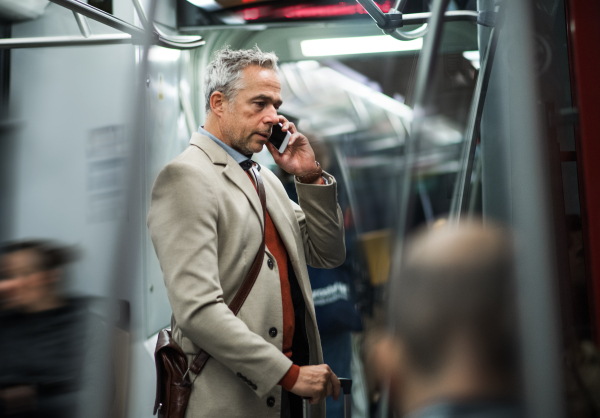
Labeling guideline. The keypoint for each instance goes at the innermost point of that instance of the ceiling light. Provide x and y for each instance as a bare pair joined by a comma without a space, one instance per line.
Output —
473,56
209,5
357,45
160,54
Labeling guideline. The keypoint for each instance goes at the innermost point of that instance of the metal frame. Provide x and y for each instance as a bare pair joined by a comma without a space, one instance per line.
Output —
426,66
54,41
409,35
84,27
585,64
425,69
460,196
131,33
392,21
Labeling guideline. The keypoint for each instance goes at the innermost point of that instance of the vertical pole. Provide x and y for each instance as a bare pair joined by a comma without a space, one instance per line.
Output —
460,197
84,27
584,38
425,71
305,408
531,218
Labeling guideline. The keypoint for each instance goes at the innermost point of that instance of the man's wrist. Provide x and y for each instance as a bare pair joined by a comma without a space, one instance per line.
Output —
312,177
289,380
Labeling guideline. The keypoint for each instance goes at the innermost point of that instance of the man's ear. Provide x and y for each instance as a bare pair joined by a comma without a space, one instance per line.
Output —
218,103
387,357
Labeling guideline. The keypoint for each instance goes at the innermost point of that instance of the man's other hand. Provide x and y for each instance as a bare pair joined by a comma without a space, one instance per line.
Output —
316,383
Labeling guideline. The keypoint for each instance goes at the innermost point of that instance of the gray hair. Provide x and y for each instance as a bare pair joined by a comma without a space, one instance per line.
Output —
224,72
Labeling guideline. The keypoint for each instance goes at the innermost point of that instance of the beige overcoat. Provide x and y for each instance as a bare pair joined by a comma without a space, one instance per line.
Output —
206,224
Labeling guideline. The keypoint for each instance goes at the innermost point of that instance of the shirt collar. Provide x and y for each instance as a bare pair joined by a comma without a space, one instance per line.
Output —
236,155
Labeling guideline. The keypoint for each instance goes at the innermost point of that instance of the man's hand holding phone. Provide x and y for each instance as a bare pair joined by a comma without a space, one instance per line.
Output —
298,158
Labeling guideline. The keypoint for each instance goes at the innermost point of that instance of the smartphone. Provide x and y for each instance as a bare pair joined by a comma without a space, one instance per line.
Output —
278,138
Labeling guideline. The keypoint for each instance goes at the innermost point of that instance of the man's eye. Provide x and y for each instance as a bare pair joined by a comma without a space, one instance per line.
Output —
260,104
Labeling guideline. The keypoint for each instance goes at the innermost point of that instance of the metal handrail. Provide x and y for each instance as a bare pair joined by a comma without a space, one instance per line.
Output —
450,16
460,195
107,19
56,41
425,71
409,35
165,40
390,22
84,27
131,33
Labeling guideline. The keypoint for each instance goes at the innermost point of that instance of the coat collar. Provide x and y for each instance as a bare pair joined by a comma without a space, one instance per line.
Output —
232,170
216,154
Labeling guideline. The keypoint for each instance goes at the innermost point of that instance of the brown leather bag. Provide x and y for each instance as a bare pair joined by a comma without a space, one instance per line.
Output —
173,386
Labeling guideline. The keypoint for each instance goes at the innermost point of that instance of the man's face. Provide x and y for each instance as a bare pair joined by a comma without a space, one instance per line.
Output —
24,284
20,273
248,119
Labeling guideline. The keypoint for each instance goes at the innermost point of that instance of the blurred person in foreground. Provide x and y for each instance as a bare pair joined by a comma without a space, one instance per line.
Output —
41,346
454,349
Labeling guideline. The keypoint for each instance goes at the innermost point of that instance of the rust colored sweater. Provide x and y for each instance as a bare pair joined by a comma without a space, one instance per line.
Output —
277,249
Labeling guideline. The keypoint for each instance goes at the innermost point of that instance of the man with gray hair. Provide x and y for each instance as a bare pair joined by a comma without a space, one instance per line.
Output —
206,224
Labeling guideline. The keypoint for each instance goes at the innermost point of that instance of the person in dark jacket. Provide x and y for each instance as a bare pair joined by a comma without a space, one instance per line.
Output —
43,334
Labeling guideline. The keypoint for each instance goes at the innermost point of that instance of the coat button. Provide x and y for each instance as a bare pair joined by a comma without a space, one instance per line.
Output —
270,401
270,264
273,332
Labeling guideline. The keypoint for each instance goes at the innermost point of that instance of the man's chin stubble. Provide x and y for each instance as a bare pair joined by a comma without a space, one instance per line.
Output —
243,148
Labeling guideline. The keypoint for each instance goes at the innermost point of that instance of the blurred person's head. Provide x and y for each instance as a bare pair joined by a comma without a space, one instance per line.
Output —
30,272
453,317
242,95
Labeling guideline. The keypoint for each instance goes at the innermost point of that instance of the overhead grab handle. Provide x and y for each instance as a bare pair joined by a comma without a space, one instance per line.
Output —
164,40
401,35
390,22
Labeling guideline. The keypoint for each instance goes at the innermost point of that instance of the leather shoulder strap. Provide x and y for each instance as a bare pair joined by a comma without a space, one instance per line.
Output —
248,283
244,290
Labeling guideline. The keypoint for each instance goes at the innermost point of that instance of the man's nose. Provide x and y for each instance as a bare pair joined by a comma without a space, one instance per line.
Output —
272,116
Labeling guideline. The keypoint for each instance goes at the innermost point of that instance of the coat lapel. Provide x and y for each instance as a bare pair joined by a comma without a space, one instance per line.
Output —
238,176
232,170
284,224
281,221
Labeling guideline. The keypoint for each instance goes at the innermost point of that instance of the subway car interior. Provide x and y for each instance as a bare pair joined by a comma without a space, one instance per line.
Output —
429,114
